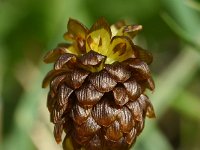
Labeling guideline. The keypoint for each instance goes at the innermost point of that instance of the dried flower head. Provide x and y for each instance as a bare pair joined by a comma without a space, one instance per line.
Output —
97,86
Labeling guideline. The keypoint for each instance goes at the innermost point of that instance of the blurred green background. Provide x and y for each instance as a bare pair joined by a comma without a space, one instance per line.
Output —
29,28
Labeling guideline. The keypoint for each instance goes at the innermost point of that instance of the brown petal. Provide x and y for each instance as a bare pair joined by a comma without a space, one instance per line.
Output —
120,95
87,95
126,120
95,143
79,139
58,130
99,24
50,101
113,132
102,81
118,72
75,78
57,112
63,95
50,75
56,82
53,55
75,29
150,111
104,113
117,145
133,89
140,66
92,58
136,110
79,114
131,136
88,128
63,60
143,54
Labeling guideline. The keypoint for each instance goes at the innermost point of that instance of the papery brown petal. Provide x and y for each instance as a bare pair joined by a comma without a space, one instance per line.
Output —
57,112
104,113
79,114
92,58
50,75
75,29
133,89
132,30
151,84
87,95
88,128
126,120
50,101
79,139
58,130
102,81
135,109
143,54
113,132
99,24
150,111
68,125
117,145
53,55
95,143
63,95
118,72
56,82
120,95
131,136
140,126
75,78
140,66
63,60
143,101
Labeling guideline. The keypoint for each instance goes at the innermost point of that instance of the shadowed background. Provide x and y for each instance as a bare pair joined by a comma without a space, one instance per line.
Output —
171,32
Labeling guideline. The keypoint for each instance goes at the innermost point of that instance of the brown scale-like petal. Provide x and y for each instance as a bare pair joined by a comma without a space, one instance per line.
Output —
133,89
75,30
150,111
58,130
140,66
64,59
92,58
87,95
63,95
68,125
79,114
131,136
88,128
53,55
57,112
146,105
143,54
95,143
120,95
118,72
56,82
117,145
50,75
50,101
113,132
75,78
136,110
125,119
79,139
102,81
104,113
140,126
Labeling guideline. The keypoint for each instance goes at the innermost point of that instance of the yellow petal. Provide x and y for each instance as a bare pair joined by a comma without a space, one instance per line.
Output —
99,37
120,49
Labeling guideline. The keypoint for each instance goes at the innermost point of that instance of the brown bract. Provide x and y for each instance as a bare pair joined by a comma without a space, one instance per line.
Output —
97,86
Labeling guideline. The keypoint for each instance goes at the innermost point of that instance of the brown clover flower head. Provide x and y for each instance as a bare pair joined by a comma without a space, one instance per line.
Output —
97,86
